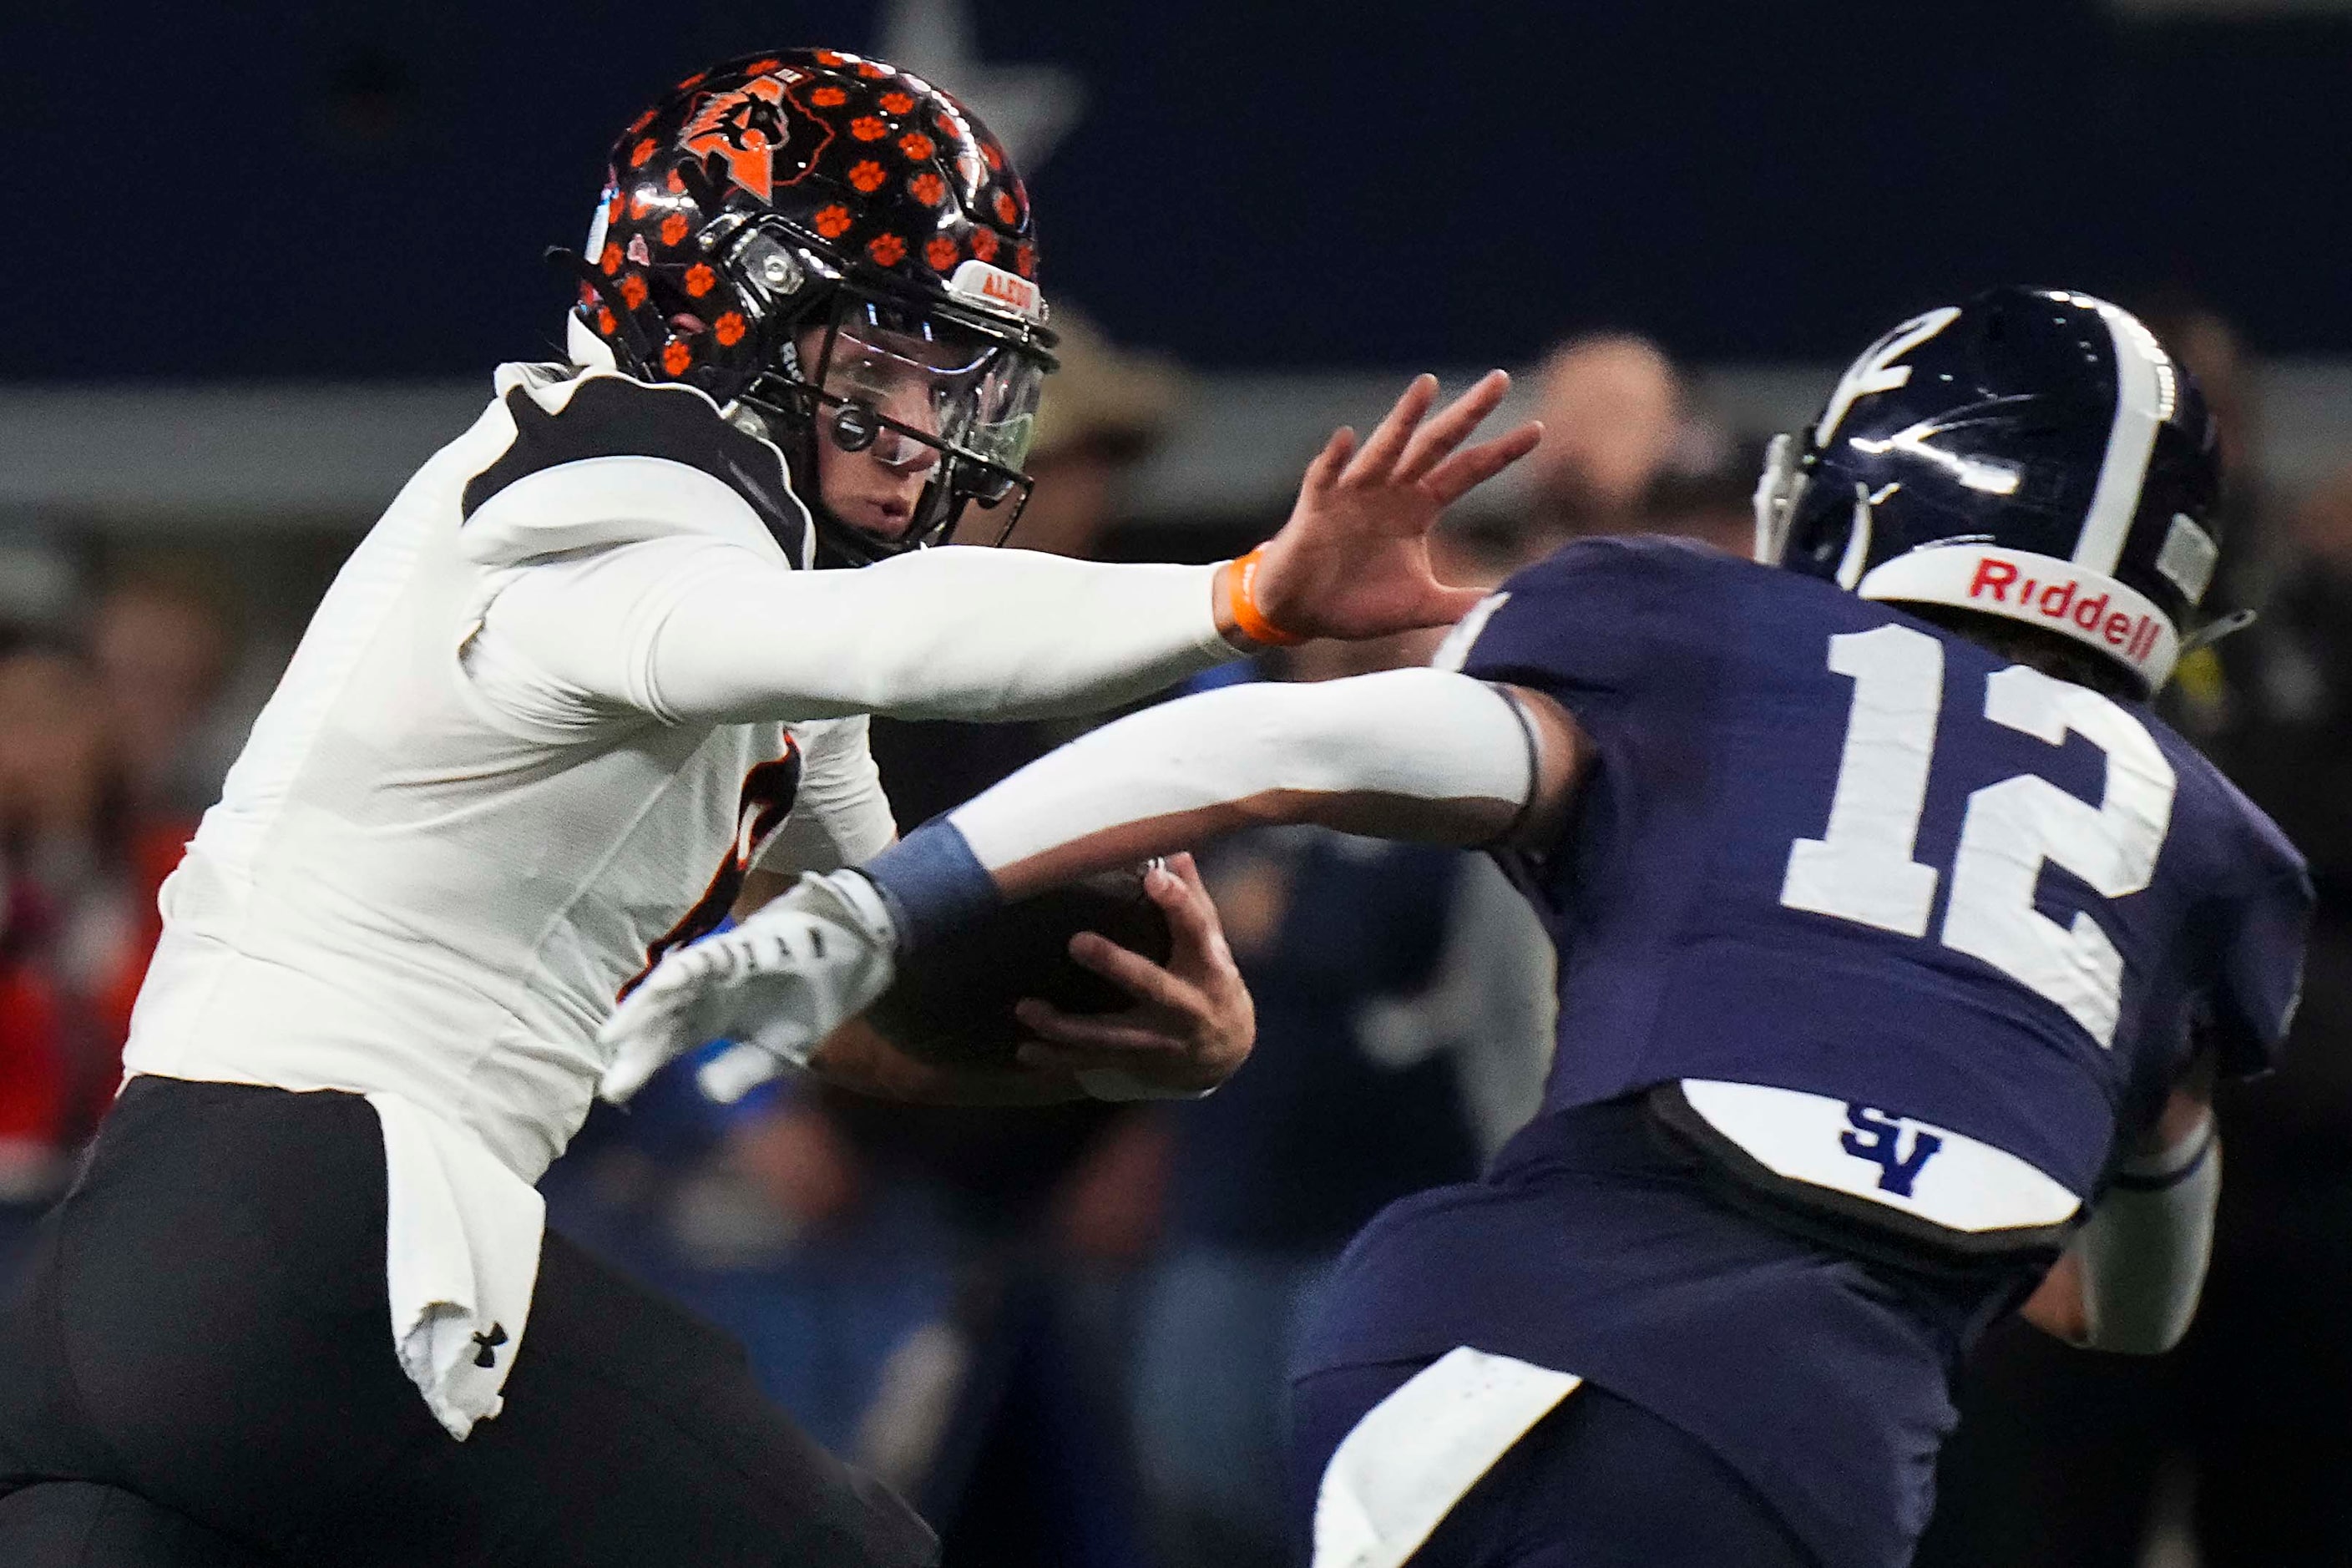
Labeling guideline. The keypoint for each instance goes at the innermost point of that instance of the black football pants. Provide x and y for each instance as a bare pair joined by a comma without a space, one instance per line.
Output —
205,1326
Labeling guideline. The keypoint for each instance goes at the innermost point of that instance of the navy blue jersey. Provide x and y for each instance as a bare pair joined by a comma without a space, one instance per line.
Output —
1828,846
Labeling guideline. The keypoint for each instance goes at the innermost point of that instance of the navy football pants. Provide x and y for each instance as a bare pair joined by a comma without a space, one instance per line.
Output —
1597,1483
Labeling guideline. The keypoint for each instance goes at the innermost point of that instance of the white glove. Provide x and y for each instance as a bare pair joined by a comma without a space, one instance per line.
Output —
779,983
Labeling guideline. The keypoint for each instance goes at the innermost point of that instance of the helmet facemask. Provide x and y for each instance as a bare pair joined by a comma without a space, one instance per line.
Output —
913,385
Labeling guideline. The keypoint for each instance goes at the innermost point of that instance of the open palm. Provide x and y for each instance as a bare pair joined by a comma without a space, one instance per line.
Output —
1353,559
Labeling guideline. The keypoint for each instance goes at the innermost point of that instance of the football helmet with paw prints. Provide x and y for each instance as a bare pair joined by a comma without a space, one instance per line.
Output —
832,248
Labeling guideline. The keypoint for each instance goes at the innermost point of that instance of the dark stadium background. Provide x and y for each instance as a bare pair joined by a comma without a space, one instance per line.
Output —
283,189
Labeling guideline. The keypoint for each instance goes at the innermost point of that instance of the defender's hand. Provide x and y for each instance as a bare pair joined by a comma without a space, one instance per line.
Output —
1353,560
1193,1022
779,983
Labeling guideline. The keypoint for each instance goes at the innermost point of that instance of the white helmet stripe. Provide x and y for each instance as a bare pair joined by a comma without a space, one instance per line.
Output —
2144,392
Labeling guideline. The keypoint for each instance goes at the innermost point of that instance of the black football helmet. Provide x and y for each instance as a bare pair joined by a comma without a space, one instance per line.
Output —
2032,454
798,233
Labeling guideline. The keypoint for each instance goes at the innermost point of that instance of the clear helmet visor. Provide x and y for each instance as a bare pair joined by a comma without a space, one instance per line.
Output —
921,389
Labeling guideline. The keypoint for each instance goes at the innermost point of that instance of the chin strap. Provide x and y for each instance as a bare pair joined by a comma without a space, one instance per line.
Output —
2217,628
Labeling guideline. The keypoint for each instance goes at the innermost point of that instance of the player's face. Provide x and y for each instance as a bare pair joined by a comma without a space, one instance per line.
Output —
875,490
912,386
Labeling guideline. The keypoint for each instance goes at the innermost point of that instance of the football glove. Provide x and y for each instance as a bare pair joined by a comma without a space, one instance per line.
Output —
779,983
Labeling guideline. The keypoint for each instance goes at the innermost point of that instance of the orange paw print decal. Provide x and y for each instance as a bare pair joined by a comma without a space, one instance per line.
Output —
887,249
833,222
700,279
677,358
828,98
729,329
983,244
867,176
641,153
916,146
633,289
1024,260
940,253
898,103
1008,211
673,229
869,128
610,259
928,188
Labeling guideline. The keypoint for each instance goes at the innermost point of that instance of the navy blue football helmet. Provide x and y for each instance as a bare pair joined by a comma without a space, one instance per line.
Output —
2032,454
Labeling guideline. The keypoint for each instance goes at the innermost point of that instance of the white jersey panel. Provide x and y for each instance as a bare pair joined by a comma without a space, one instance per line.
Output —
395,891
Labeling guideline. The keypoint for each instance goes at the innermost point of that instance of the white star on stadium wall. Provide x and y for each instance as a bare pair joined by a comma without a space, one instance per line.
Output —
1030,108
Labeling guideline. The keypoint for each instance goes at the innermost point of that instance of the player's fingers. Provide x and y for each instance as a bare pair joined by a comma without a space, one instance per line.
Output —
1192,916
1387,442
1452,424
1109,1046
1468,470
1134,973
1324,470
1098,1031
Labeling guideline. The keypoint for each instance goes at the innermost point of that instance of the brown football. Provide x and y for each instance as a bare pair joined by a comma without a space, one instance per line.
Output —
952,1003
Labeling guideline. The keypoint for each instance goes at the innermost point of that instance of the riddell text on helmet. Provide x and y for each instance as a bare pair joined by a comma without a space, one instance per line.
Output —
2132,635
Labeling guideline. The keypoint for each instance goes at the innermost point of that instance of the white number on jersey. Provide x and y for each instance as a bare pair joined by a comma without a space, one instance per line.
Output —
1862,869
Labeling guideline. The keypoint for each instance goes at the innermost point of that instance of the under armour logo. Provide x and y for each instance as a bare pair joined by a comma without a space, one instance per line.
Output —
490,1343
1879,1137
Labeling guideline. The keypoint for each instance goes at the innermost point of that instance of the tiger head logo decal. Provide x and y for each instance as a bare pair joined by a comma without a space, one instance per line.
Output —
766,138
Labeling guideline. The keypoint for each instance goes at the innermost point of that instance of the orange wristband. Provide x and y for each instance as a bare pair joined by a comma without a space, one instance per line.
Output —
1243,605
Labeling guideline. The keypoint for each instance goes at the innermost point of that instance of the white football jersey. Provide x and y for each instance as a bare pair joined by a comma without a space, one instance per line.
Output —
432,867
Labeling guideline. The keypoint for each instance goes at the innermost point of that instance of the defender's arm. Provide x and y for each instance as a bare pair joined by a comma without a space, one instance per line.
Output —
1413,754
2131,1280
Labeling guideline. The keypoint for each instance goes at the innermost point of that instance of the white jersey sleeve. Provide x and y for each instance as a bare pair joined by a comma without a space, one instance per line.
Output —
694,629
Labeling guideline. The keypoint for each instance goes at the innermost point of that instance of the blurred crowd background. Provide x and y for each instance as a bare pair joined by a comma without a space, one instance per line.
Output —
284,249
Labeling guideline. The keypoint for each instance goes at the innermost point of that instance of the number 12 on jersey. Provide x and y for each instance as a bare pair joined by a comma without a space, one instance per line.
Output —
1862,868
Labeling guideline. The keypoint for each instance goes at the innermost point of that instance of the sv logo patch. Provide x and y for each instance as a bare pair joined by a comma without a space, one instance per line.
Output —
1878,1138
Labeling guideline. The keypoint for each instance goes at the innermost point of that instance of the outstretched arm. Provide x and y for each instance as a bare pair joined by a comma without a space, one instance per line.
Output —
1419,754
691,629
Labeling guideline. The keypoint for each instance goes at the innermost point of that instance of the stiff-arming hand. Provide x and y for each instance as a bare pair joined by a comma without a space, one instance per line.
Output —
779,983
1193,1022
1353,560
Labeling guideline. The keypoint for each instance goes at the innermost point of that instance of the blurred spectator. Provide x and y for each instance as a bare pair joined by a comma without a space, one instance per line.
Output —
1611,406
77,877
1626,449
1403,1031
163,645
